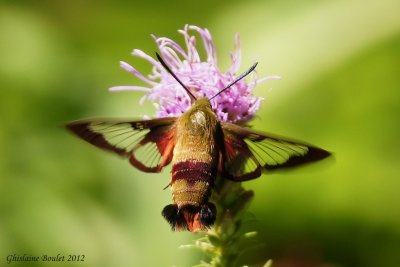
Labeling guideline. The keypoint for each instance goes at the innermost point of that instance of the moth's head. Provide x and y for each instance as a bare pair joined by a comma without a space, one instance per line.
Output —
201,103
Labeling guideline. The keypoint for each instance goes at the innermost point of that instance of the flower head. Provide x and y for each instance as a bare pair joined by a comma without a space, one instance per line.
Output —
203,77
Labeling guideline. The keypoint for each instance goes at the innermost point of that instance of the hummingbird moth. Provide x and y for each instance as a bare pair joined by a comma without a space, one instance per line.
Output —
200,147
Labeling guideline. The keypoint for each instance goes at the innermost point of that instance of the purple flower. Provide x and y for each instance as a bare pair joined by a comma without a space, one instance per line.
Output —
237,104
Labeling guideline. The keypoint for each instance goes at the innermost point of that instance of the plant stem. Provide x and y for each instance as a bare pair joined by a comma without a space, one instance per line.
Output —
224,241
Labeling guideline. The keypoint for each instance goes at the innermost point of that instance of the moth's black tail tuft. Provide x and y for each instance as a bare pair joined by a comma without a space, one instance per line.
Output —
208,214
190,217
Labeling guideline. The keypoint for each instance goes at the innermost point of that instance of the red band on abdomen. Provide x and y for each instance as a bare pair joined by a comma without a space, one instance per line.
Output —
193,171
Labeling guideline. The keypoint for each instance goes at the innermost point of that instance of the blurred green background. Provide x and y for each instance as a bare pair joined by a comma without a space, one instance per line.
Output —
340,64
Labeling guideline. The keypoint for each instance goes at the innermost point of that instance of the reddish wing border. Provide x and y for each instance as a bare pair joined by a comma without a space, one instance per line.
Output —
237,161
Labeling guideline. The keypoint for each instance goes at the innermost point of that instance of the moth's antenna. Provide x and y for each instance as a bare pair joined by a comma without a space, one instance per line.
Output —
237,79
173,75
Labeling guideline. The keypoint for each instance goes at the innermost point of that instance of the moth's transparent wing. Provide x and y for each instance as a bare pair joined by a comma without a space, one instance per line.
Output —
147,143
255,151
